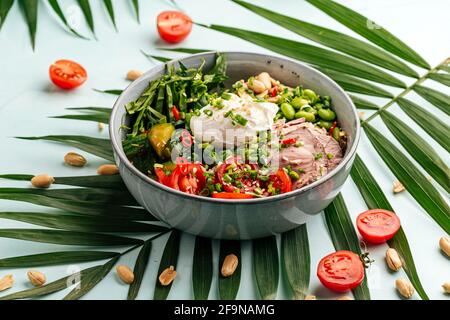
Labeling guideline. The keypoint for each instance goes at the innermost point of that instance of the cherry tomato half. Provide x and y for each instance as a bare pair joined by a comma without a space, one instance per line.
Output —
341,271
67,74
174,26
378,225
231,195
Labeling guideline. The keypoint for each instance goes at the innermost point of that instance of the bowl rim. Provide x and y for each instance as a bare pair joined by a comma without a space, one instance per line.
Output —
119,151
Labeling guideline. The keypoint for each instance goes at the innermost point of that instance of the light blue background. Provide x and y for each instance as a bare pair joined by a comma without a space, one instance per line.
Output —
27,99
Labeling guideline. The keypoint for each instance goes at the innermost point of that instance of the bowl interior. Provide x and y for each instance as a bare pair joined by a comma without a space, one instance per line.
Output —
242,65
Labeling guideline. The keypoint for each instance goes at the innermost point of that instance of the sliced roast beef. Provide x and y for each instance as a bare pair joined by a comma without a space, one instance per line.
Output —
315,153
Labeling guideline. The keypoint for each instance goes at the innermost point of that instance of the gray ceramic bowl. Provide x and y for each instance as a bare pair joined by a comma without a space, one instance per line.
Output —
239,219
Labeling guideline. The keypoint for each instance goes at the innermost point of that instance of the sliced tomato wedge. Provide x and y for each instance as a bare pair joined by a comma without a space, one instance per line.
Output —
341,271
176,113
174,26
67,74
378,225
231,195
186,177
282,181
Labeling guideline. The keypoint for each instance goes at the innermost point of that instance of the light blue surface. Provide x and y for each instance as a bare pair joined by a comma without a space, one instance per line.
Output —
27,99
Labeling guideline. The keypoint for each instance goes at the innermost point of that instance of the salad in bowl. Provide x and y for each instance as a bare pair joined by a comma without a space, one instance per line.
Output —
255,138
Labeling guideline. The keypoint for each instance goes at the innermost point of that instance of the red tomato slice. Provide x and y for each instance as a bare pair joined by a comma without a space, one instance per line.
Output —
283,181
67,74
341,271
378,225
231,195
174,26
187,177
175,113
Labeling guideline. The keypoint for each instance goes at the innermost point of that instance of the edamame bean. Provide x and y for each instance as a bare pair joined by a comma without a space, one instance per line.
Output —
336,133
298,102
318,106
288,111
325,124
310,117
309,109
311,95
327,114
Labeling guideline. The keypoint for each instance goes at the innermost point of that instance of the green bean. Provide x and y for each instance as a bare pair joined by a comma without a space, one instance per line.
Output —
288,111
325,124
336,133
310,117
311,95
298,102
327,114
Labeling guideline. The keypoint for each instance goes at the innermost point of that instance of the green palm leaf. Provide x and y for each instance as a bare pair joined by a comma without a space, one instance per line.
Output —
55,258
344,237
375,199
80,223
419,149
157,58
91,280
135,4
313,55
361,103
5,6
99,147
52,287
353,84
93,109
369,30
414,181
67,237
81,207
106,182
96,117
139,270
431,124
443,78
266,266
438,99
202,268
229,287
87,12
30,9
115,92
100,196
110,8
296,260
56,7
186,50
169,258
333,39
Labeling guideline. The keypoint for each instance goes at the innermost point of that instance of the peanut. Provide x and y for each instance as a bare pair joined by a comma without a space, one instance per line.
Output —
393,260
444,244
75,160
6,282
264,77
125,274
42,181
398,187
167,276
108,170
256,85
404,287
133,75
310,297
229,265
446,287
36,278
